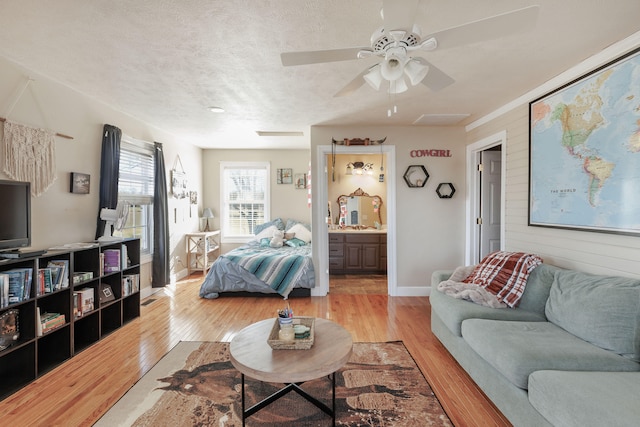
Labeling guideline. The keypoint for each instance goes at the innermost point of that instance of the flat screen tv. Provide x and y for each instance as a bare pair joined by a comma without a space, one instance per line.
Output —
15,215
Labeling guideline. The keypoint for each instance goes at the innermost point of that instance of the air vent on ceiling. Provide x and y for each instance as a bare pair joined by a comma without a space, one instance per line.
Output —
267,133
440,119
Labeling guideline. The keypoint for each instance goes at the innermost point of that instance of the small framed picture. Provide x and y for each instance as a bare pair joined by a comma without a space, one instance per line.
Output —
179,184
106,294
300,180
285,176
80,183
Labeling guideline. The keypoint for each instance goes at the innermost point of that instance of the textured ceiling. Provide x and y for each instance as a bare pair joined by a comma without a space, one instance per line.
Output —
165,61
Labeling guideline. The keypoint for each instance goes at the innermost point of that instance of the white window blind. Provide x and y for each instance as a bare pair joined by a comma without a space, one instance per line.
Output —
245,198
136,186
136,175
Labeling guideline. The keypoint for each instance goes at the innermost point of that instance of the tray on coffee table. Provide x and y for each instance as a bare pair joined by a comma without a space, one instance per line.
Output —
298,343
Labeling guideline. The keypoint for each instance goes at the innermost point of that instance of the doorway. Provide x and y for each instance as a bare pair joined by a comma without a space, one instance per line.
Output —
357,209
486,201
322,238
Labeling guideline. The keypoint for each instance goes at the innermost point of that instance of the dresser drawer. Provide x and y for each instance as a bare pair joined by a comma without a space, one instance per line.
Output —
336,264
336,249
336,238
362,238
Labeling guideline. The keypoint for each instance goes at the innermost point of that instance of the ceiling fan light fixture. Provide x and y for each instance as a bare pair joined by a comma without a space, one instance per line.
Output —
373,77
415,71
392,67
398,86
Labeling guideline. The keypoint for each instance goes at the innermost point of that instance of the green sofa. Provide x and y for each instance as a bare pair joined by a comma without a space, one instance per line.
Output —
568,355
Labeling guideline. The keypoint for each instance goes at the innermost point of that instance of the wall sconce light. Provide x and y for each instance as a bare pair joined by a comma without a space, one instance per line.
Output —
359,168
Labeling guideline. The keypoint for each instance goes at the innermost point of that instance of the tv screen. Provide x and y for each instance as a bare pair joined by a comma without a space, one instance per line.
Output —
15,214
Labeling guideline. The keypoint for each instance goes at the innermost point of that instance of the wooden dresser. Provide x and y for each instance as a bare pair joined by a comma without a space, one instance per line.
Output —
357,253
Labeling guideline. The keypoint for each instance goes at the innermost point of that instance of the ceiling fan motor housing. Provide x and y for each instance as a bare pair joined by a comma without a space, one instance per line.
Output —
382,40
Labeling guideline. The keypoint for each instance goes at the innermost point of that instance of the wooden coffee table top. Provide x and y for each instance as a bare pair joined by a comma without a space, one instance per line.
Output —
252,355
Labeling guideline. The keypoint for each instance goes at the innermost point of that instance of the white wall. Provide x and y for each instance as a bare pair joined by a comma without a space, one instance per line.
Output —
59,216
597,253
286,200
430,230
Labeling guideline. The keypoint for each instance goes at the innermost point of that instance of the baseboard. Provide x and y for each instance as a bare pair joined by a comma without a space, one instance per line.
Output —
413,291
148,291
179,275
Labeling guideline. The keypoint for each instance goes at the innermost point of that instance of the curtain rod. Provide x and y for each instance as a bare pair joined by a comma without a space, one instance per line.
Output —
61,135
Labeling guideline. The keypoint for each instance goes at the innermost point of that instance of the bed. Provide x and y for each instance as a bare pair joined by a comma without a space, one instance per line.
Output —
258,268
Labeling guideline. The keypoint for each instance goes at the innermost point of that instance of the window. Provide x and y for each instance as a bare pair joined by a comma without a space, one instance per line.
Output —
135,186
244,199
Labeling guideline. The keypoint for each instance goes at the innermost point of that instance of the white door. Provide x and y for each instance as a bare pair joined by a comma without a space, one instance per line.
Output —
490,199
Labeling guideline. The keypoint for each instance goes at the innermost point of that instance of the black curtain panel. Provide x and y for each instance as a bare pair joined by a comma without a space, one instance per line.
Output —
109,167
160,271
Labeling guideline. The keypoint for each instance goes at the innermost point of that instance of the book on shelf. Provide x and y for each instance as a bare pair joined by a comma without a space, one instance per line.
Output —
4,290
111,260
83,302
49,321
130,284
82,276
16,285
60,272
124,258
45,282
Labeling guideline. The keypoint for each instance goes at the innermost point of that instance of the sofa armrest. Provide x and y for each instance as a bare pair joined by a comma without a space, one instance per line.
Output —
440,276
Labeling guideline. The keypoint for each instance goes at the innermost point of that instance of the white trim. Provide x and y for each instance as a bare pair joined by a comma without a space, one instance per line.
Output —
597,60
321,234
472,208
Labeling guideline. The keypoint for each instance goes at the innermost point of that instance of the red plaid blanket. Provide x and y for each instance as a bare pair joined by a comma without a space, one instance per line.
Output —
504,274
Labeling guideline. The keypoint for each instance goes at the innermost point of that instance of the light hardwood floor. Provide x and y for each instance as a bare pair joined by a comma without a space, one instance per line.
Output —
79,391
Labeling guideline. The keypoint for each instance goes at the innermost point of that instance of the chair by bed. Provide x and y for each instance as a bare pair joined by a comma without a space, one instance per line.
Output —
259,269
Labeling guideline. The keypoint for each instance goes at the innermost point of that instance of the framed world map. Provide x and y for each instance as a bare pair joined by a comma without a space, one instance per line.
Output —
584,152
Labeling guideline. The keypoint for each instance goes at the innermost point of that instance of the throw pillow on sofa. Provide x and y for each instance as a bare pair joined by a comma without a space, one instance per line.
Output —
602,310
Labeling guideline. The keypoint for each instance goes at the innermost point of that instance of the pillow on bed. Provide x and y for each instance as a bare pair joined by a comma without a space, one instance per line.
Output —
301,232
266,232
265,242
295,242
292,222
276,222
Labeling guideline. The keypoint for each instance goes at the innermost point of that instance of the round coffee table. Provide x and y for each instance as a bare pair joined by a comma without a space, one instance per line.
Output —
251,355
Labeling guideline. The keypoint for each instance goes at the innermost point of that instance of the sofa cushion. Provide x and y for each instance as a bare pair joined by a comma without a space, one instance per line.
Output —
516,349
602,310
586,398
454,311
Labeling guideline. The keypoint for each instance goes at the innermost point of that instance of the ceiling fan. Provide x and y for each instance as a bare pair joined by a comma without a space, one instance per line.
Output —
399,39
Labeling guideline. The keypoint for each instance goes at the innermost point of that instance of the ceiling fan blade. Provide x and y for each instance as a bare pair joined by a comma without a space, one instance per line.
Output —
489,28
436,79
319,56
399,15
353,85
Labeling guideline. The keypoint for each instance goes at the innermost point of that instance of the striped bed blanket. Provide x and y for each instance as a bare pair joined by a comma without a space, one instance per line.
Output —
280,268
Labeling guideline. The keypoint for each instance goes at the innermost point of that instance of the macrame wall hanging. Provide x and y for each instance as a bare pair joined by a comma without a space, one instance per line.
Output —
29,153
179,181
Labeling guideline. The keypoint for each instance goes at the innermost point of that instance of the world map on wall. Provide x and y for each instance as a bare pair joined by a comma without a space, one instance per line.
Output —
585,152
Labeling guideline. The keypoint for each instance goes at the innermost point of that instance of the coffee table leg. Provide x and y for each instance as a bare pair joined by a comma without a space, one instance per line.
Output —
333,398
285,390
243,401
